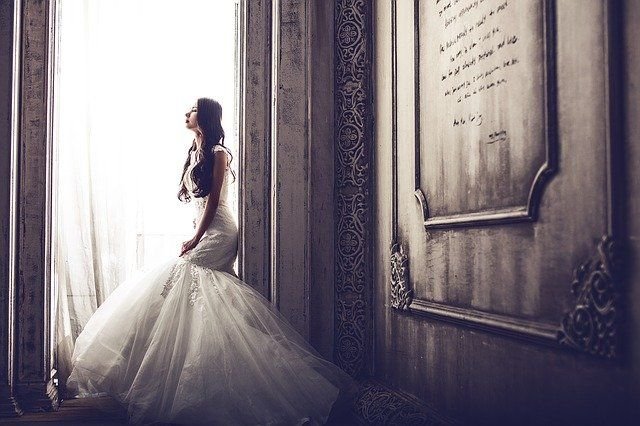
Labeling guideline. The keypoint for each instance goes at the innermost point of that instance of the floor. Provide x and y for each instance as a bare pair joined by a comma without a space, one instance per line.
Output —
89,411
92,411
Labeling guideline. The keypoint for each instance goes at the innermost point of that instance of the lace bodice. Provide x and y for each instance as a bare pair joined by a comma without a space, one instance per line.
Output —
224,191
224,220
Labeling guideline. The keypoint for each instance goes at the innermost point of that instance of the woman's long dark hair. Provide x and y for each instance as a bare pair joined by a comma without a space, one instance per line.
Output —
209,118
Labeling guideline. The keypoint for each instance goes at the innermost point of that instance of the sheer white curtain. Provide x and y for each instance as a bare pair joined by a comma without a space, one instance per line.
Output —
126,72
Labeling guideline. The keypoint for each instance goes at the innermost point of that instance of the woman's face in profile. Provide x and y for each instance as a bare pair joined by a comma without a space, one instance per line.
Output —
192,118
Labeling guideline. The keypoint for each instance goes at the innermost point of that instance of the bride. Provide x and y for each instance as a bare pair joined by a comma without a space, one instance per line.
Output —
188,342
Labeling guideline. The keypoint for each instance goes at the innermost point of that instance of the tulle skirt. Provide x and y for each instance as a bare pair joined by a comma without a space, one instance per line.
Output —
185,343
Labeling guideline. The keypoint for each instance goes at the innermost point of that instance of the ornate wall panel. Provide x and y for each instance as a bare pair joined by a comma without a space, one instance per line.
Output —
353,146
591,322
513,322
485,76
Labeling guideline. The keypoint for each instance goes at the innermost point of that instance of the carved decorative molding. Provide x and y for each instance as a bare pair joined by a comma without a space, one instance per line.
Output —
592,325
377,404
350,283
353,102
505,325
350,335
401,294
353,132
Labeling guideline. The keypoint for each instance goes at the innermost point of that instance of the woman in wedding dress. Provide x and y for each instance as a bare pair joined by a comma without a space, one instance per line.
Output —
188,342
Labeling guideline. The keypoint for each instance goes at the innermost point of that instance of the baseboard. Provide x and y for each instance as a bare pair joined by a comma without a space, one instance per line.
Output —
36,397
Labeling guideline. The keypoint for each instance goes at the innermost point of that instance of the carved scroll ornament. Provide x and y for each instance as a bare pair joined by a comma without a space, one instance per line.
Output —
353,124
592,325
401,294
377,404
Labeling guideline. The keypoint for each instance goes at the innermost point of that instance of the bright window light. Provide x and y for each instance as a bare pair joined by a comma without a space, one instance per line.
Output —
126,73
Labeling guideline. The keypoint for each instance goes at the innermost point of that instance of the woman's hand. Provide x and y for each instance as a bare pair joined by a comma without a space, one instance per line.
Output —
188,245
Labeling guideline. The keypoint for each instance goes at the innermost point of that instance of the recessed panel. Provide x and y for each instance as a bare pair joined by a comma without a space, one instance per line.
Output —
486,143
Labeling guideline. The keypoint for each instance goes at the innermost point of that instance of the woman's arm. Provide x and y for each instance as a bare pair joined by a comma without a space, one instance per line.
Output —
217,178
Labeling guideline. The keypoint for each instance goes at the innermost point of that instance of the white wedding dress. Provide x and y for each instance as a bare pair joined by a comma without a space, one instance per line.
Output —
188,342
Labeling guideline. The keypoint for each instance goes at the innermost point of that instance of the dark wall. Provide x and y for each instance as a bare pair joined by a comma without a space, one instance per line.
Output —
631,99
321,176
479,340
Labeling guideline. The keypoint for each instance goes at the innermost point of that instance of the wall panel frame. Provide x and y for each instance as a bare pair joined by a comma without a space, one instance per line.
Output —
595,294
